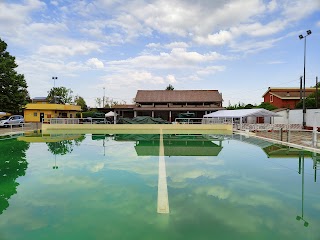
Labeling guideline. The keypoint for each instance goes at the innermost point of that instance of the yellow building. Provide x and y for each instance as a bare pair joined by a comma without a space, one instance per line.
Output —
36,111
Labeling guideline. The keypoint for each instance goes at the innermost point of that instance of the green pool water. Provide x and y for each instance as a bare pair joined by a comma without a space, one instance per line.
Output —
106,187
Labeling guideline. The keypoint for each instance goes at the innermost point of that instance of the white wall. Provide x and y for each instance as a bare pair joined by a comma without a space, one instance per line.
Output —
295,116
313,117
284,119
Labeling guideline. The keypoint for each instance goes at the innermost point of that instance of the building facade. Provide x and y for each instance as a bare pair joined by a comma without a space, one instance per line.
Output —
168,104
285,97
40,108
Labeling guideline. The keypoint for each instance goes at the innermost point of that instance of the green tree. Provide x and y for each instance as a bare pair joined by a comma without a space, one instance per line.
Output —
13,87
60,95
237,106
170,87
81,102
98,102
267,106
310,102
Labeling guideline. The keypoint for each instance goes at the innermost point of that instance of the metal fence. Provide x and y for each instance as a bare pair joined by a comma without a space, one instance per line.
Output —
301,137
10,129
198,121
75,121
266,126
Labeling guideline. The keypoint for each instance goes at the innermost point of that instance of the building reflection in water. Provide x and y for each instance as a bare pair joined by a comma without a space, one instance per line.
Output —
175,144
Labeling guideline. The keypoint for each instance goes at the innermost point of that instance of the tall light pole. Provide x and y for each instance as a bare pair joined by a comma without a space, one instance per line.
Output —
54,86
304,78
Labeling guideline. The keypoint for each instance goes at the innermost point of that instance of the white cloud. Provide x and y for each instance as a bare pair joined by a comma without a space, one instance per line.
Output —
95,62
55,3
12,14
211,70
177,58
153,45
254,46
272,5
137,77
172,45
171,79
184,17
176,45
69,48
219,38
295,10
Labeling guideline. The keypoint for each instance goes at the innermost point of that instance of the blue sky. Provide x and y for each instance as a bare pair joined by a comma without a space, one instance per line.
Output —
239,47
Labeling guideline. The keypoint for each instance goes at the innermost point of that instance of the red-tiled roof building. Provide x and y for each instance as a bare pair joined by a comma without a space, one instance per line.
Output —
285,97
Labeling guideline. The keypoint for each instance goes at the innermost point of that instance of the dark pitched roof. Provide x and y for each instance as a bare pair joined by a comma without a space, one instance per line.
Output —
178,96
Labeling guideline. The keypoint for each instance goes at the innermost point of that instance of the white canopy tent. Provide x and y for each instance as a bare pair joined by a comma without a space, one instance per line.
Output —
240,114
112,114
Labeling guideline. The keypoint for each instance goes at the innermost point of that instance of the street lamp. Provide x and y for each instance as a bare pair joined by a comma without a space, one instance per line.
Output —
54,86
304,77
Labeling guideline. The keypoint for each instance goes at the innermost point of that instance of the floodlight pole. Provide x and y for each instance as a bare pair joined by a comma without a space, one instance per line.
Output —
304,78
54,86
304,85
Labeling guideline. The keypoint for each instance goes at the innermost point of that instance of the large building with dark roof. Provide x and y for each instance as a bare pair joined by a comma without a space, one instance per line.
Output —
168,104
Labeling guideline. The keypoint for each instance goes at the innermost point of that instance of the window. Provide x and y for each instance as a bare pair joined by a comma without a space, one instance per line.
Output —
35,114
271,98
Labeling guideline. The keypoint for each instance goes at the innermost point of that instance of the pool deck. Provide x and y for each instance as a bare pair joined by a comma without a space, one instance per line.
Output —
138,128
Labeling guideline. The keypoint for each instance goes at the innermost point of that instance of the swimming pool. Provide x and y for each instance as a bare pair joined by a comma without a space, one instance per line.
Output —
116,186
